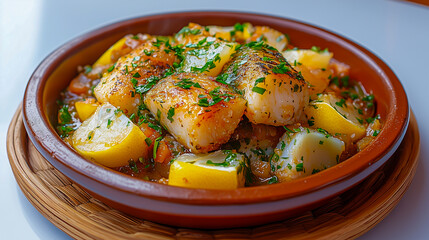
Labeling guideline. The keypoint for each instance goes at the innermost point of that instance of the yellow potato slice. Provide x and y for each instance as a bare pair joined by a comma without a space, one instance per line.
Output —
218,170
303,152
109,138
85,108
271,36
106,58
317,78
221,32
308,58
334,115
239,32
209,57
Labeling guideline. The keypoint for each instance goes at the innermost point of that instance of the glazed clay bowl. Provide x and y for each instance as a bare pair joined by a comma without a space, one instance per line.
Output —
201,208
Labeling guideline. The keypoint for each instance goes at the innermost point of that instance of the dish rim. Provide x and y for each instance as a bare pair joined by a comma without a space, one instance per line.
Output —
47,141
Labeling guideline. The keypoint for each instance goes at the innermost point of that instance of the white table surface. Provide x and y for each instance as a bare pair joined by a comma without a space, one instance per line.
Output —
398,32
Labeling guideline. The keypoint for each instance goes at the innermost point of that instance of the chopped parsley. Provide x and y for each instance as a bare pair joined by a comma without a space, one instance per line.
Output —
186,31
239,27
318,50
229,159
282,145
259,90
109,123
170,114
117,111
150,82
155,127
281,69
148,141
158,113
186,83
224,78
223,164
207,66
87,69
273,179
359,120
341,103
258,45
64,115
300,167
148,53
155,146
323,131
369,99
345,81
133,166
111,68
216,97
64,131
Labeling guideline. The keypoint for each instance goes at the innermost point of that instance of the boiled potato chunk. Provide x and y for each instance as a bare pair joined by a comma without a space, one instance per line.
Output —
208,57
199,112
304,153
221,32
109,138
318,79
238,32
309,58
271,36
335,115
86,108
222,169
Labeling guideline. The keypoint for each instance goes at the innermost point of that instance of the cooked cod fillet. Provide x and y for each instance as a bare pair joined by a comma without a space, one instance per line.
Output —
276,94
198,111
138,68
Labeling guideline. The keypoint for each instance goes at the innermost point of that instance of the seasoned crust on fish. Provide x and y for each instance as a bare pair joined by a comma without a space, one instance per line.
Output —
118,86
198,111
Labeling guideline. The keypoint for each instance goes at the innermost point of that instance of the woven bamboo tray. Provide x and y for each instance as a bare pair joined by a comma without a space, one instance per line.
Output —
81,216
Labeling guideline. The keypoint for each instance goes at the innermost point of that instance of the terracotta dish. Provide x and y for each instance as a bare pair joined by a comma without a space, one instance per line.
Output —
211,208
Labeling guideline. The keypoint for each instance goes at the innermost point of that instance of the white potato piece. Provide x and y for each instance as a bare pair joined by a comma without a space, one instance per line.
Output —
238,32
109,138
309,58
304,153
270,36
222,169
336,115
208,56
199,112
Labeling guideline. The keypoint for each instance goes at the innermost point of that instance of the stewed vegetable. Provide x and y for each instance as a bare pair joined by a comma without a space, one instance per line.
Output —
217,108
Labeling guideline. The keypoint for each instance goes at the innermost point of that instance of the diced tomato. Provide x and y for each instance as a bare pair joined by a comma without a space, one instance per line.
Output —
163,153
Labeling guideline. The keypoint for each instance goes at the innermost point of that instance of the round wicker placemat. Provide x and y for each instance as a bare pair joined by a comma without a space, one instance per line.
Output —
81,216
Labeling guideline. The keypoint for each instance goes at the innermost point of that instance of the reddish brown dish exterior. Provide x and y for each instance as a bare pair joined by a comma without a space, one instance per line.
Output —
211,208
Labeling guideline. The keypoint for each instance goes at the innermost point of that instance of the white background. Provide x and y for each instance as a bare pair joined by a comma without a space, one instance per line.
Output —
396,31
